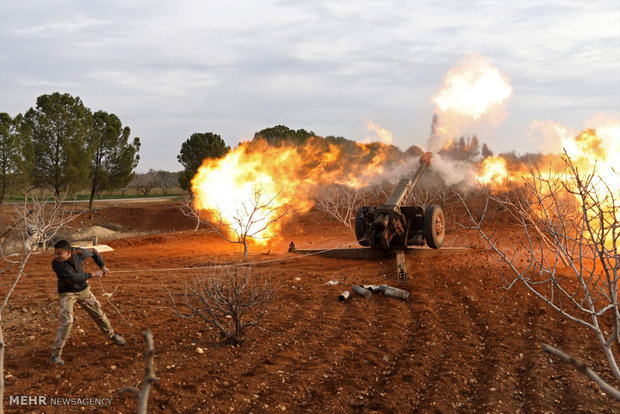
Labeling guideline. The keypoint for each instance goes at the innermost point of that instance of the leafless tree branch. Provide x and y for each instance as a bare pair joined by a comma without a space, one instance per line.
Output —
584,369
189,210
149,375
340,202
570,222
35,221
230,302
249,220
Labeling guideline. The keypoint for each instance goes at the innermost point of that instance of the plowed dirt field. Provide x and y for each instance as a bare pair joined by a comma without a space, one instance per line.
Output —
461,343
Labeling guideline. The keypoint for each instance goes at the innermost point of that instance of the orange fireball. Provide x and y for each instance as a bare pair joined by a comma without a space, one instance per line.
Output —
597,153
248,189
473,93
493,172
473,89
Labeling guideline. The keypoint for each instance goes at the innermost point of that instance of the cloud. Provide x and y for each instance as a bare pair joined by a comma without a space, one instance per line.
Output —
172,68
75,24
45,83
153,82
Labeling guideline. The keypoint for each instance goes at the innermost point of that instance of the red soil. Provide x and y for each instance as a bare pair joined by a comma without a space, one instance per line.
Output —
460,344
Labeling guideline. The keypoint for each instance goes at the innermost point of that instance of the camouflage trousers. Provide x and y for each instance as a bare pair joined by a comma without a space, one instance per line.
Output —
89,302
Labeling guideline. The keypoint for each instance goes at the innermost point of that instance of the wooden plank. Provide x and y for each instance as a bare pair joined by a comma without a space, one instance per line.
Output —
101,248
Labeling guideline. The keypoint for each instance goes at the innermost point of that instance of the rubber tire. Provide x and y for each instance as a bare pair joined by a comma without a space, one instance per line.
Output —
433,238
360,224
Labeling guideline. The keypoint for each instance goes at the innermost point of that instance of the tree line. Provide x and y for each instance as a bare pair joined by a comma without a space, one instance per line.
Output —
201,146
63,146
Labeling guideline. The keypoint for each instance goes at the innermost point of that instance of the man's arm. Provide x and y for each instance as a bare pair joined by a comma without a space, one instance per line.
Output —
66,272
96,258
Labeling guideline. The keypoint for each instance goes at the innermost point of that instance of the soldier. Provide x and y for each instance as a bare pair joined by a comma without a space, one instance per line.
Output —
72,287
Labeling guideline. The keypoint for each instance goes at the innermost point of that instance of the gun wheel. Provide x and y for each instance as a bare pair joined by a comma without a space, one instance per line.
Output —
434,226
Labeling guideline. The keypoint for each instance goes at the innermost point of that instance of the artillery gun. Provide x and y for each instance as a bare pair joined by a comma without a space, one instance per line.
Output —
394,227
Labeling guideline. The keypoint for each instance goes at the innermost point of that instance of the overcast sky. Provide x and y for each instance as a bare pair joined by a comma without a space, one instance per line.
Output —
171,68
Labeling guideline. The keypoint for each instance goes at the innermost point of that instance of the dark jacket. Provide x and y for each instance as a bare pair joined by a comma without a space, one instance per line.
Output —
71,275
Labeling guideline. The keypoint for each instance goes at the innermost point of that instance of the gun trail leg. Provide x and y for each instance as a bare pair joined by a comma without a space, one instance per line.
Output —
401,264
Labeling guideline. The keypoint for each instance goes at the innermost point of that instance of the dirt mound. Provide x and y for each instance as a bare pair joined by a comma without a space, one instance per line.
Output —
142,217
95,231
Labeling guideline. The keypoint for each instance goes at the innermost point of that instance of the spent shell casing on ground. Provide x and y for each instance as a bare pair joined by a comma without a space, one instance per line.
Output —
396,293
375,288
344,296
361,291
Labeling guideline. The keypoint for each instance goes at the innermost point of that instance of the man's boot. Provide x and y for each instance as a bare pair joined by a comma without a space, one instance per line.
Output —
118,340
57,360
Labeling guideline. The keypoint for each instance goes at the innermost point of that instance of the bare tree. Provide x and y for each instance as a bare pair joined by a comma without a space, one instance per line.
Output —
249,220
571,224
420,197
167,180
230,302
144,183
40,219
188,209
384,191
443,194
436,193
149,375
340,202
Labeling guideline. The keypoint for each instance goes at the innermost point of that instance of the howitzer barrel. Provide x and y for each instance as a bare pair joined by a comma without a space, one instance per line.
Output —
407,184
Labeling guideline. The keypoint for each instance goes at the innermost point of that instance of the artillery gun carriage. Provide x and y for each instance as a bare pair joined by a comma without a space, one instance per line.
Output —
394,227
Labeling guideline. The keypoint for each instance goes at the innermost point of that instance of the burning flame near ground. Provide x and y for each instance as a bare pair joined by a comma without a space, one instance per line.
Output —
598,150
597,153
286,176
493,172
593,155
590,151
256,173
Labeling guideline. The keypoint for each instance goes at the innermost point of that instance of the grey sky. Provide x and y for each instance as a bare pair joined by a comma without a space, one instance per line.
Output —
171,68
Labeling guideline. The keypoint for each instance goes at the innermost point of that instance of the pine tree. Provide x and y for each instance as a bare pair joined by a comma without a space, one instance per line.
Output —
59,129
114,158
11,157
194,150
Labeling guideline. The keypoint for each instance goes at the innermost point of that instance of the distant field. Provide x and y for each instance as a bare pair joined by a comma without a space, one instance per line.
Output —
85,195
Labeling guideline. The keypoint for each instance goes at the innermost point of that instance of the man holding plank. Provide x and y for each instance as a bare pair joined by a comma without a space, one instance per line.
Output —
68,264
